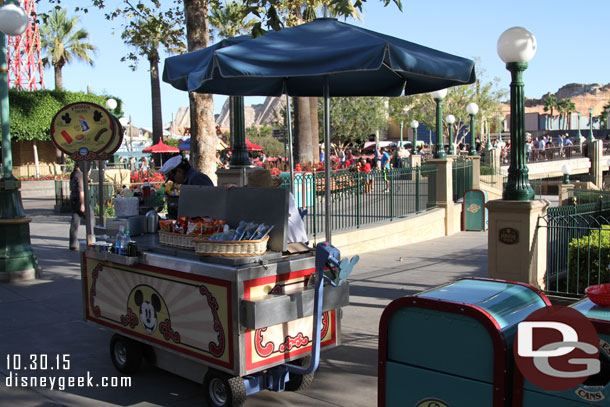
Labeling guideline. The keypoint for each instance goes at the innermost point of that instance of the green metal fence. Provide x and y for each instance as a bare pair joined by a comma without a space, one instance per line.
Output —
358,198
584,196
462,177
578,247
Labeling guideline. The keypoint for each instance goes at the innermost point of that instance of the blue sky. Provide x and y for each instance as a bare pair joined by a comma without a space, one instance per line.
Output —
572,46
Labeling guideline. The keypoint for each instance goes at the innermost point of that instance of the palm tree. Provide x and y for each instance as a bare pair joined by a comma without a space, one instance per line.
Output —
550,103
63,41
307,131
203,132
148,34
230,20
566,106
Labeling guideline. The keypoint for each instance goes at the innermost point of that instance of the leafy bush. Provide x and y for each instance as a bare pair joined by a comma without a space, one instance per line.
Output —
487,170
31,112
589,260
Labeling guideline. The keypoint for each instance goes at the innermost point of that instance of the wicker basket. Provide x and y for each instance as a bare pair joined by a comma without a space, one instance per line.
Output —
177,240
231,248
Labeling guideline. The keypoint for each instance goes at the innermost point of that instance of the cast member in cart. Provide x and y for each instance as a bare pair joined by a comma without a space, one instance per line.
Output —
179,171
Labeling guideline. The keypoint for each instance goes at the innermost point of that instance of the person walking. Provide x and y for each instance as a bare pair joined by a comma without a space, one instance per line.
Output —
77,205
143,167
385,168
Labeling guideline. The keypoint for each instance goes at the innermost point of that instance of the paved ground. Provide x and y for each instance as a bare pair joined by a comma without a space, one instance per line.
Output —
45,317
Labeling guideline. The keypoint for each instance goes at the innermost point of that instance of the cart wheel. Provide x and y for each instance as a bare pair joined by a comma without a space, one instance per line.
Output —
297,382
223,390
126,354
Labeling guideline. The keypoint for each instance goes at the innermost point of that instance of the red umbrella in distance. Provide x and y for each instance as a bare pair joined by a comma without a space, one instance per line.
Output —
160,147
251,146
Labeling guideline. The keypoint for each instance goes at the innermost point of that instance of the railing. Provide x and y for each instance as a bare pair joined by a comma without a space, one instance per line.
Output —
553,153
578,247
359,199
588,197
462,177
494,177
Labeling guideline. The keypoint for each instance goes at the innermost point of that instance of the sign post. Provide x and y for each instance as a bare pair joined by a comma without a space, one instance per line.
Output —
86,132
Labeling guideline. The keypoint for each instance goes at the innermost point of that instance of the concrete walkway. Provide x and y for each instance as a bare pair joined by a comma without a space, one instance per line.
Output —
45,317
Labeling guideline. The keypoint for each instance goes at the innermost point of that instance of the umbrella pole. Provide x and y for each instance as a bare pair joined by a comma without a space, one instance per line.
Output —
327,159
289,124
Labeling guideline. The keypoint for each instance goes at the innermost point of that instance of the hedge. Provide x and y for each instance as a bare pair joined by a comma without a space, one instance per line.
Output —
31,112
589,259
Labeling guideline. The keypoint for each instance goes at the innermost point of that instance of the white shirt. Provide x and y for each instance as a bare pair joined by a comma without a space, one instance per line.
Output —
296,228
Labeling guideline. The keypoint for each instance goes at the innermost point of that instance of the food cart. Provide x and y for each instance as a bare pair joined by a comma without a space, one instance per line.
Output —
231,323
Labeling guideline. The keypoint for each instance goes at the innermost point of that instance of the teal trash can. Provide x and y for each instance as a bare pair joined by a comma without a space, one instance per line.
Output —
452,345
595,391
474,211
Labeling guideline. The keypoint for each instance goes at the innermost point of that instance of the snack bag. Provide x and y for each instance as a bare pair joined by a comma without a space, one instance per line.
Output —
166,225
194,228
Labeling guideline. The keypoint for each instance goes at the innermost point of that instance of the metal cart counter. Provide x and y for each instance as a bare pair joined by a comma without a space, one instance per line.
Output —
210,310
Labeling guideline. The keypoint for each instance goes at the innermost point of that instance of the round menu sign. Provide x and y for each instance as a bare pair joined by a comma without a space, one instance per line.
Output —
83,130
117,138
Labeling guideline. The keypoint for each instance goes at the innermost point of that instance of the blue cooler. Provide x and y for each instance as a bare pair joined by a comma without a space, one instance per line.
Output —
452,345
595,391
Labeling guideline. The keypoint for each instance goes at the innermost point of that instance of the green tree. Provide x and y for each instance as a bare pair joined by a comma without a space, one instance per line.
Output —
354,118
63,41
603,118
486,94
550,104
306,117
147,34
230,19
565,108
263,137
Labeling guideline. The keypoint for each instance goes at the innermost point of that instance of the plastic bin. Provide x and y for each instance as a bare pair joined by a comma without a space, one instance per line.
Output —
452,345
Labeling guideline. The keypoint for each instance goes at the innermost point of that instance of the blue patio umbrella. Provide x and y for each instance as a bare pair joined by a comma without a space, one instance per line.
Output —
185,144
322,58
298,60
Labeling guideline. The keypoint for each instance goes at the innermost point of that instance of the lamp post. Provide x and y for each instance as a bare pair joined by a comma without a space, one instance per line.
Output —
438,96
579,135
566,170
472,109
516,47
591,138
414,126
450,119
499,120
17,260
401,127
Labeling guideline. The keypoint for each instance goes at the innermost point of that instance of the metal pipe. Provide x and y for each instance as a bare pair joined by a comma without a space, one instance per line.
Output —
290,155
327,159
